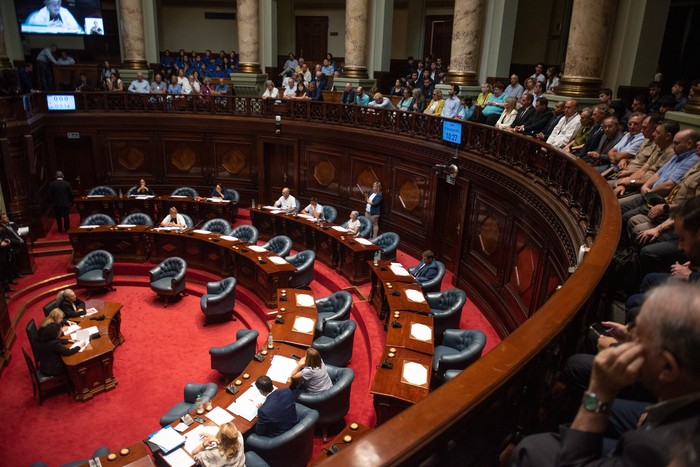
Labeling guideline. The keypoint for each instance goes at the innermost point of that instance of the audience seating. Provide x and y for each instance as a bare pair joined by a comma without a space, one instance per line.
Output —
168,278
219,300
185,191
32,334
138,218
304,262
333,404
460,348
49,306
217,225
291,449
102,190
192,390
365,226
230,360
388,242
446,310
246,233
231,194
335,307
336,342
42,383
434,284
329,213
95,270
98,219
280,244
188,220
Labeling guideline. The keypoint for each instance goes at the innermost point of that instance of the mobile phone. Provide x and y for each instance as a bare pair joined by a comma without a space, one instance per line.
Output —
199,419
296,357
600,329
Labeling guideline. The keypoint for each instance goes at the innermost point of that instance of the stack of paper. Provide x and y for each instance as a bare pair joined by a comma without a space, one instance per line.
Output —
179,458
229,238
246,406
215,200
194,436
168,439
269,207
88,226
90,311
84,334
277,259
147,196
398,269
202,231
414,373
179,196
363,241
303,325
339,228
219,416
305,300
127,226
281,368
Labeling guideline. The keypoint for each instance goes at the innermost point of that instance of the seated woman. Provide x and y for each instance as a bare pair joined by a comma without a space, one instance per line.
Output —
70,304
434,107
224,449
115,83
311,374
173,219
50,346
467,110
271,92
510,111
406,100
354,224
219,192
313,209
141,188
485,95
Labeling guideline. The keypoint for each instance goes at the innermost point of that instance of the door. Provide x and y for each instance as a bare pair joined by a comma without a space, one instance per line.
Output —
280,170
312,37
74,157
449,222
438,37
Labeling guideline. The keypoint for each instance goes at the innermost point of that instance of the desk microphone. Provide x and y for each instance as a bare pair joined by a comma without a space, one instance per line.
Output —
395,324
332,449
387,364
396,293
98,318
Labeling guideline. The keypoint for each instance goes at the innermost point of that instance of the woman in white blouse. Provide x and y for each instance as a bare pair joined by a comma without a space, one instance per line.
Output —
271,92
509,113
354,223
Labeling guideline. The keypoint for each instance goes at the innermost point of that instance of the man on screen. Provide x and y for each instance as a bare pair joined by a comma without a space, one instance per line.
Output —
54,16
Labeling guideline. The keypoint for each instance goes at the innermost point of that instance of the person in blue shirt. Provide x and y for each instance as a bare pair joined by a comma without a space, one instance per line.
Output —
360,97
425,270
314,92
373,208
174,87
494,107
219,192
467,110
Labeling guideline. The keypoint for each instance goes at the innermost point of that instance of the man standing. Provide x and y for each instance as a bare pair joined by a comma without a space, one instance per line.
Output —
278,414
43,62
452,104
514,89
61,197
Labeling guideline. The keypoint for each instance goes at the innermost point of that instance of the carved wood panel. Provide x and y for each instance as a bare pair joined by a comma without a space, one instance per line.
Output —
130,157
183,158
324,170
410,195
235,161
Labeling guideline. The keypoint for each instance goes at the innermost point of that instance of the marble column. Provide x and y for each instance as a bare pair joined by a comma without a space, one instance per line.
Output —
4,61
133,41
356,21
248,20
466,33
592,23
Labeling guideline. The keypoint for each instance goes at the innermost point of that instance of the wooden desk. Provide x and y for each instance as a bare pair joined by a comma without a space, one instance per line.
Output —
401,337
285,332
361,431
198,209
139,456
128,244
380,275
334,248
392,394
90,371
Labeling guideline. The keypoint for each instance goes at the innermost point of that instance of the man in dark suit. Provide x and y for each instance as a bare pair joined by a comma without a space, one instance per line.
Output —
15,248
61,196
557,115
539,119
278,414
425,270
348,96
70,304
525,113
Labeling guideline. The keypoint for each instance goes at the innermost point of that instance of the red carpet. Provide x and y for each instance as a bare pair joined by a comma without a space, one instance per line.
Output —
176,339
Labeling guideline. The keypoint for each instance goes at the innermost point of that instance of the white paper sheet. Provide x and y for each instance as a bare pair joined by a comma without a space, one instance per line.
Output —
281,368
126,226
303,325
90,311
179,196
167,228
339,228
145,196
415,373
70,329
219,416
167,438
257,249
305,300
201,231
194,436
306,216
415,296
215,200
76,336
421,332
269,207
277,259
23,231
180,427
95,196
277,211
229,238
88,226
246,405
399,270
362,241
179,458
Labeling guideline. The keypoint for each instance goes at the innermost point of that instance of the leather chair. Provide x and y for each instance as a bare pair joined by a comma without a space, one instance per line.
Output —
102,190
335,345
280,244
446,310
188,220
246,233
42,383
230,360
192,390
335,307
388,242
291,449
217,225
333,404
460,348
231,194
49,306
168,278
329,213
450,374
99,452
304,262
32,333
251,460
219,300
95,270
298,204
138,218
365,226
185,191
434,284
98,219
131,191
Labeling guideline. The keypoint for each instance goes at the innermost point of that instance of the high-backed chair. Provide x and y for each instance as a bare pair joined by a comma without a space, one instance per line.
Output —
336,342
434,284
192,390
365,226
329,213
246,233
388,242
138,218
446,310
185,191
280,244
291,449
231,194
230,360
450,374
95,270
304,262
32,333
460,348
168,278
188,220
218,225
49,306
335,307
219,300
131,191
333,404
102,190
42,383
98,219
298,204
251,460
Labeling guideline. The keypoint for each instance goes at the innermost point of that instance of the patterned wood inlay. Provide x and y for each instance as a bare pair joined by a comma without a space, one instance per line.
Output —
130,158
410,195
324,172
184,158
233,161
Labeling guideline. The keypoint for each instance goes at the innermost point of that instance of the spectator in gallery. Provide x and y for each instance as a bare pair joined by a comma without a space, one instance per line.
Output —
115,83
406,99
679,90
467,110
140,85
84,83
65,59
419,102
348,96
484,96
271,92
174,87
360,97
381,102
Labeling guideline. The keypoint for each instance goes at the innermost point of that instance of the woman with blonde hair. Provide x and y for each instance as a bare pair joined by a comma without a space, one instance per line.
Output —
311,373
225,449
50,346
510,111
434,107
485,95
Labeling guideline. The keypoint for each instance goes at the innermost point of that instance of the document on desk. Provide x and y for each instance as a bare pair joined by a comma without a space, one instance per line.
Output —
303,325
415,296
144,196
68,330
89,226
168,439
269,207
421,332
281,368
278,260
257,249
339,228
90,312
167,228
179,196
415,374
179,458
95,196
306,216
219,416
246,406
398,269
306,300
363,241
126,226
202,231
80,334
230,238
194,436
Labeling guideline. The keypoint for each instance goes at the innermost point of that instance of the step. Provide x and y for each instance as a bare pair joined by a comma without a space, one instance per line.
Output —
50,243
52,251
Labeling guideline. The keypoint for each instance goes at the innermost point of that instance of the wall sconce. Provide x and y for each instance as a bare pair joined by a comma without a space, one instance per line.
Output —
278,124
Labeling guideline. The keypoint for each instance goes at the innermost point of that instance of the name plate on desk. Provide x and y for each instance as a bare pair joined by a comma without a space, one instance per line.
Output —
415,374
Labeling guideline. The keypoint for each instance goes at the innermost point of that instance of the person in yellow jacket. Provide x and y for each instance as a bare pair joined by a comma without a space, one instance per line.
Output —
434,107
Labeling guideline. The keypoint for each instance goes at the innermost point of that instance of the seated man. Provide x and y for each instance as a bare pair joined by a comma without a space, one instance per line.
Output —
314,209
567,126
360,97
611,136
70,304
380,102
173,219
286,202
278,414
539,119
314,92
348,96
629,166
425,270
629,144
581,136
84,83
140,85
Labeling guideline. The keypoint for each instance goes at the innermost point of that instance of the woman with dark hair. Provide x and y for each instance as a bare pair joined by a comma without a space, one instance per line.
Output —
311,373
398,88
50,346
141,189
115,83
223,449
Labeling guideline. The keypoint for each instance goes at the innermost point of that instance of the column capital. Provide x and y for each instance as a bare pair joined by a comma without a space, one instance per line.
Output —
577,87
462,78
693,105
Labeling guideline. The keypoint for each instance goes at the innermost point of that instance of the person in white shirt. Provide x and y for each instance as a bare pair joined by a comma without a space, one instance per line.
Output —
354,224
54,16
567,126
286,201
271,92
173,219
65,59
509,113
140,85
314,209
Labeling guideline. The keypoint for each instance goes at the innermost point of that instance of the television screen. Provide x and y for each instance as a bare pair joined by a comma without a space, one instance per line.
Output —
60,16
452,132
60,102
